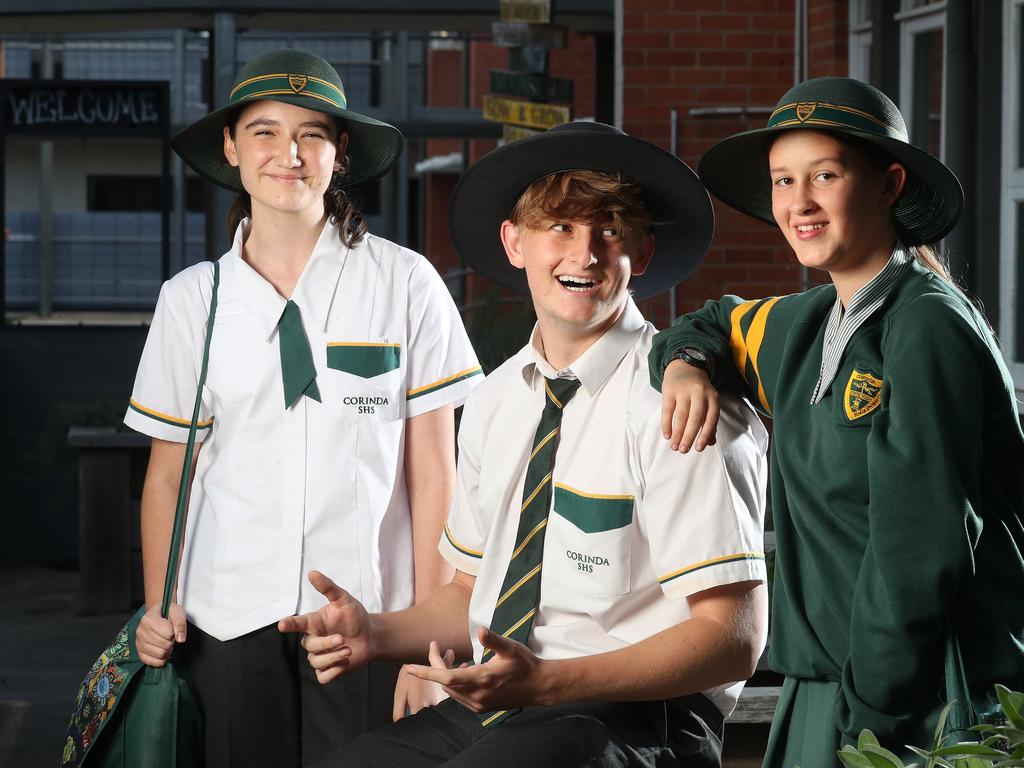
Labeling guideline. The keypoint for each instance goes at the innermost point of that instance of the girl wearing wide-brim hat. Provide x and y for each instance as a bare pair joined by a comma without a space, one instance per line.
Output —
897,453
326,427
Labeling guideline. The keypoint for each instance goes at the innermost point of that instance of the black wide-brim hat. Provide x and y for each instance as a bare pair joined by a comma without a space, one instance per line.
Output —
305,80
736,168
683,221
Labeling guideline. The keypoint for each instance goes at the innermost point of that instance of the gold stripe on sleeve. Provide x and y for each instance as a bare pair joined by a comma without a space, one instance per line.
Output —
708,563
739,345
166,418
464,550
755,337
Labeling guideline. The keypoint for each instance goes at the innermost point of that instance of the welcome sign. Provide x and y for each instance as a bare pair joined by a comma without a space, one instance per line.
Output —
83,108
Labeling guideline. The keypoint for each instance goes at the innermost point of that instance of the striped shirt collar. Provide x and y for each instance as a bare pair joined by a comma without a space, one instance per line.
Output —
844,322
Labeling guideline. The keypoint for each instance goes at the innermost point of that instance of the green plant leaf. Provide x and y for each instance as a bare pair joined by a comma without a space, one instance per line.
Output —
851,758
1013,705
967,749
866,739
940,727
973,762
881,757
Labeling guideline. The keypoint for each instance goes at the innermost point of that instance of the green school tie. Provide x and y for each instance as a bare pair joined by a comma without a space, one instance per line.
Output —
298,373
520,591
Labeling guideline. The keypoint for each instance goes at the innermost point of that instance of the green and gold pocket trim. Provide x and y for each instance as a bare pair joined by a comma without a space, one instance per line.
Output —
363,358
724,559
593,512
164,418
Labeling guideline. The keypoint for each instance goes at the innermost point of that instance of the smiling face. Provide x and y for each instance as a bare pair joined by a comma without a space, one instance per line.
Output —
578,273
285,155
833,202
580,236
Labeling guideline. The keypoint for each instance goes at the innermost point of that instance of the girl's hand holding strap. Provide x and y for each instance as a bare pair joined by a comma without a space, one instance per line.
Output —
156,636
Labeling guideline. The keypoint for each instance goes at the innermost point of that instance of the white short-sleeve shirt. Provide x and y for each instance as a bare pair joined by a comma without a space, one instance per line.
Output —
319,485
634,527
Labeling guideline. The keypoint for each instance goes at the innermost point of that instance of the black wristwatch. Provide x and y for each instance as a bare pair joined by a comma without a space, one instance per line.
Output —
691,356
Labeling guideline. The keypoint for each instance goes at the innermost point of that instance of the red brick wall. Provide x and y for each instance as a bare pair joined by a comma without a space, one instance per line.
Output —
444,68
689,54
828,37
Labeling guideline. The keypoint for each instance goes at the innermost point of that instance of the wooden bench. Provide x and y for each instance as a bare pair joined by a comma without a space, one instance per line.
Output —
756,704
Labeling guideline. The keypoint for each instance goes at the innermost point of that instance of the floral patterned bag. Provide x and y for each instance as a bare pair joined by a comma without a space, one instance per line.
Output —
129,715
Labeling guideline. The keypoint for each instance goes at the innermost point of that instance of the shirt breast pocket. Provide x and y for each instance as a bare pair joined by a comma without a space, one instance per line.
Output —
365,380
590,534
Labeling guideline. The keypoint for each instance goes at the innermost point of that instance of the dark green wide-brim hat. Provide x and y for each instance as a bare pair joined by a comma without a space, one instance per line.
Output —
736,168
294,77
683,221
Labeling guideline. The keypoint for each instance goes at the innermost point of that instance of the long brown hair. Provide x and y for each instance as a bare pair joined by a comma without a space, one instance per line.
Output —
339,207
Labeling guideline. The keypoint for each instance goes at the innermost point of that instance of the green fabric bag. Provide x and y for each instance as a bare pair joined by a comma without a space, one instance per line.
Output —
128,715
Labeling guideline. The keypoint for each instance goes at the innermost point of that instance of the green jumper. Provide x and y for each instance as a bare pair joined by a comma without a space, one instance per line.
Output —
897,503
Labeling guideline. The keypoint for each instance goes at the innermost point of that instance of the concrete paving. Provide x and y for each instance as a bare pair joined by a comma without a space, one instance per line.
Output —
45,650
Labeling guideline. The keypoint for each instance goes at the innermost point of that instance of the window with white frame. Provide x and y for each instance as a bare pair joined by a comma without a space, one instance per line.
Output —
1011,308
923,73
860,39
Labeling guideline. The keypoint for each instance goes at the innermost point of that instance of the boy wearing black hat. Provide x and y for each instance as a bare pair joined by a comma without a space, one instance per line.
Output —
613,588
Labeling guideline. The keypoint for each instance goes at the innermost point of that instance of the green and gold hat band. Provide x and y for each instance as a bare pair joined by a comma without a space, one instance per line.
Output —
288,84
831,116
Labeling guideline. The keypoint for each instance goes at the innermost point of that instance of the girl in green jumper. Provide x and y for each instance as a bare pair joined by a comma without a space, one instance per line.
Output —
897,452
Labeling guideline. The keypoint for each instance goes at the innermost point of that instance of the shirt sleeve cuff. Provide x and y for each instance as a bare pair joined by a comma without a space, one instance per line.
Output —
163,426
463,558
453,389
716,572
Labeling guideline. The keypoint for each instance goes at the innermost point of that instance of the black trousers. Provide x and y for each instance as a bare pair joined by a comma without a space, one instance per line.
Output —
263,705
679,732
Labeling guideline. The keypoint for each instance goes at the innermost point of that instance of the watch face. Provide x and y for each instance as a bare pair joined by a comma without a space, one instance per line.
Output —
696,354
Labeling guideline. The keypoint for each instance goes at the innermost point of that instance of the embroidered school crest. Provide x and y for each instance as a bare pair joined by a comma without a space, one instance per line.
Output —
863,394
805,109
297,82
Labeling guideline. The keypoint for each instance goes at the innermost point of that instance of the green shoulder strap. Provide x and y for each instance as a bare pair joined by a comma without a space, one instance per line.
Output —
961,715
171,577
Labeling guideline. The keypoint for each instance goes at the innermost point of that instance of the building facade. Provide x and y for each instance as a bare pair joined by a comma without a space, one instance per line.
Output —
95,222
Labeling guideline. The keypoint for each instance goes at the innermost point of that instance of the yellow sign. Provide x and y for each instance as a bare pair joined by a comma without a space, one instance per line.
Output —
530,11
510,133
525,113
863,394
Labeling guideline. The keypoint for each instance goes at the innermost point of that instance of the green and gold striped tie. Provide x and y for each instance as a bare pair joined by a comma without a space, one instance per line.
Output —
520,591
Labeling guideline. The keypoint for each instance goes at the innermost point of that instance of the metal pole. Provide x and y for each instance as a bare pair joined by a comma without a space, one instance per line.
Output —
960,111
224,59
46,204
673,140
3,208
400,70
619,66
177,118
